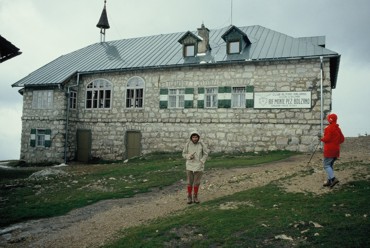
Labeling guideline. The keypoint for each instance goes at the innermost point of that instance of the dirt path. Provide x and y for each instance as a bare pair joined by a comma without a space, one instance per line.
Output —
95,225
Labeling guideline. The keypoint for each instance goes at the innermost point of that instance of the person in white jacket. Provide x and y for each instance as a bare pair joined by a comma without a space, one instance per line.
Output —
195,152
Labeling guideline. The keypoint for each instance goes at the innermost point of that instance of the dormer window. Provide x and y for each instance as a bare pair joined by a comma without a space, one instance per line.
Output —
236,40
189,42
195,45
233,47
189,50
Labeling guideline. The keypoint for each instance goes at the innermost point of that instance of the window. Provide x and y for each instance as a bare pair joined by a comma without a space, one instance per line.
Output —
99,94
234,47
135,92
189,51
176,98
73,99
211,97
42,99
40,137
238,97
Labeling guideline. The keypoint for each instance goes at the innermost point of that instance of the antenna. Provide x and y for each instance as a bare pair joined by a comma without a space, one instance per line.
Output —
231,9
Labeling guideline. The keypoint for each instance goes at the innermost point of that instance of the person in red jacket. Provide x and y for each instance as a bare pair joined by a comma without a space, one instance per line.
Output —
332,139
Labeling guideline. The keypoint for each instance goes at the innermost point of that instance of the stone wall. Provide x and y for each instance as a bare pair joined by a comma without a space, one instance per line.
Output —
223,129
53,119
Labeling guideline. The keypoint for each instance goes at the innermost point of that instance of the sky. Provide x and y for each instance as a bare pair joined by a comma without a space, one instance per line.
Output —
47,29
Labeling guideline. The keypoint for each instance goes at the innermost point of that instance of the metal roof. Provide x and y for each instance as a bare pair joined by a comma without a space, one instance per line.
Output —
164,50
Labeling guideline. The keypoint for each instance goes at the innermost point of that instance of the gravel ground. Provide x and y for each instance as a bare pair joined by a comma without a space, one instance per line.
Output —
95,225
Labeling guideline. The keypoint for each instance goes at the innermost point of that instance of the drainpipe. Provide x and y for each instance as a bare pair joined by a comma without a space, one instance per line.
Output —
67,116
321,99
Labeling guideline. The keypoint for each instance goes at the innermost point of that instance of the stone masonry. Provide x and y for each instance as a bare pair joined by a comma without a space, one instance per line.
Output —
223,129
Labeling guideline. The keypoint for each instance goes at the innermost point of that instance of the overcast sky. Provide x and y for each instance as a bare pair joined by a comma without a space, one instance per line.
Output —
47,29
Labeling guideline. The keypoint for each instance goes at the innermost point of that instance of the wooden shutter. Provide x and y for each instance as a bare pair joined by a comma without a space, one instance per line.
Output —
200,102
189,97
33,137
249,96
224,97
163,98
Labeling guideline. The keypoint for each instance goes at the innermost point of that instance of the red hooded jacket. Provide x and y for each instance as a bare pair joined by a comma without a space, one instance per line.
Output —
333,137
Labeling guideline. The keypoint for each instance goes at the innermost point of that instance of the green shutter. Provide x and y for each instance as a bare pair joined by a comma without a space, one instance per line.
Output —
33,138
189,94
249,101
250,88
188,104
163,104
224,89
163,91
163,98
48,139
189,91
224,103
200,102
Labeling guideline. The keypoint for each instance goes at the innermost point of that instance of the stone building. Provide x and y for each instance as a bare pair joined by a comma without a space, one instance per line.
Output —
244,89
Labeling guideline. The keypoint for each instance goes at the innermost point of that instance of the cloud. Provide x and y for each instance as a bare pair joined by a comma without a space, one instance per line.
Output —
352,101
45,30
10,132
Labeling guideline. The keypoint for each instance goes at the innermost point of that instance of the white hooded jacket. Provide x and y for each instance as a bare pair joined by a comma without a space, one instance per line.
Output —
200,152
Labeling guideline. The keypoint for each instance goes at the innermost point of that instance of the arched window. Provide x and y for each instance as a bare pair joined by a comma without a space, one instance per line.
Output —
135,92
99,94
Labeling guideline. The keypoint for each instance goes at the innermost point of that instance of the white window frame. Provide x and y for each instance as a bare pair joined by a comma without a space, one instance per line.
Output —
234,47
40,137
176,98
238,97
99,94
73,99
42,99
210,97
189,50
135,93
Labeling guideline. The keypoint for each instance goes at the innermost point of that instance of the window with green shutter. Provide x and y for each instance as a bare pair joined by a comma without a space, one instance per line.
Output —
176,98
210,97
238,97
40,137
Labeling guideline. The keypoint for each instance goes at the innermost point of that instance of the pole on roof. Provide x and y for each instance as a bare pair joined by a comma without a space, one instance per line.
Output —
231,22
321,98
103,23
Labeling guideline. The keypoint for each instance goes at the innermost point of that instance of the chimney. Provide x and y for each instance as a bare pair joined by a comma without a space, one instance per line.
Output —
203,46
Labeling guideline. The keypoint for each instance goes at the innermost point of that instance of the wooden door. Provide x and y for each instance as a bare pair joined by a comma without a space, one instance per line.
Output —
83,145
133,144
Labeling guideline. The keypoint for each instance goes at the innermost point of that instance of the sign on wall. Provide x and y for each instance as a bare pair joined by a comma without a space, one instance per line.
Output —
288,99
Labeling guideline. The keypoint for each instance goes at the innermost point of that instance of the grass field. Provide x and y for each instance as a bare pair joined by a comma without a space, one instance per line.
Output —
24,197
264,217
260,217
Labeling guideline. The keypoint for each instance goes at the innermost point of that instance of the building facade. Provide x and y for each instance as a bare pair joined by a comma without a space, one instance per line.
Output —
246,89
